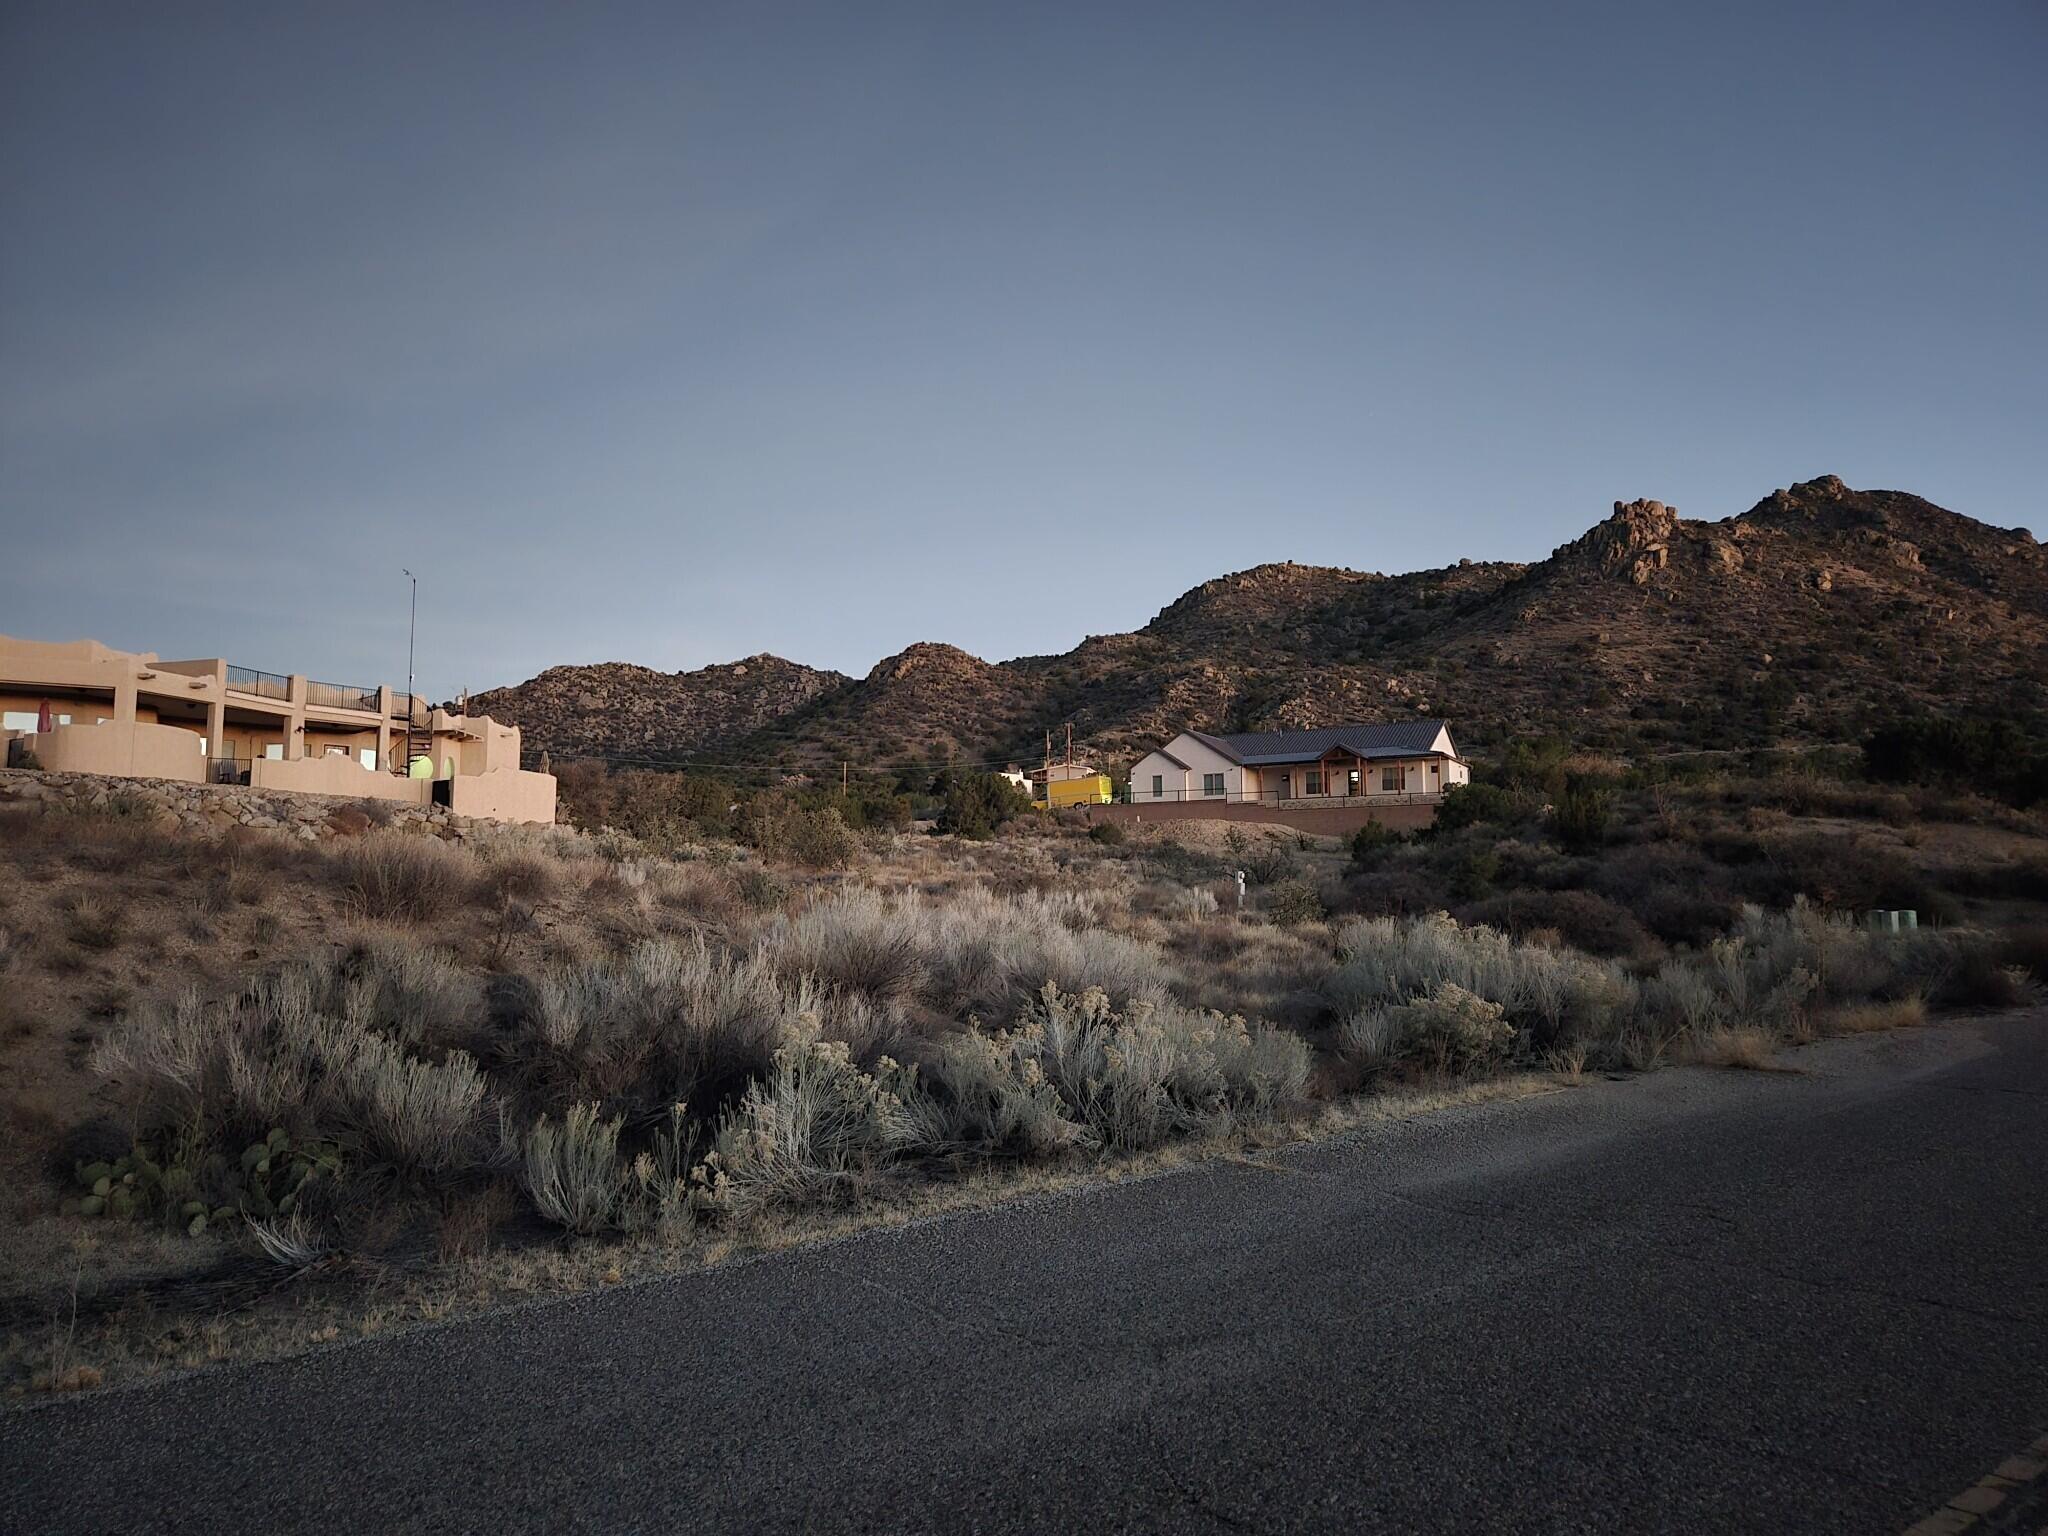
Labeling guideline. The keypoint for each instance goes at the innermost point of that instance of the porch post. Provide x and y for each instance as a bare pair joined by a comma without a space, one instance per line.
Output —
295,727
383,728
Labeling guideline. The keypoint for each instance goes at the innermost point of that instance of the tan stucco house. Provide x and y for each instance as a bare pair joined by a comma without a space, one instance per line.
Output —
131,714
1411,762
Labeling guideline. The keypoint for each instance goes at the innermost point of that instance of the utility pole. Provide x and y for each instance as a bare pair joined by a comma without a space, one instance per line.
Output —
411,633
1070,749
842,778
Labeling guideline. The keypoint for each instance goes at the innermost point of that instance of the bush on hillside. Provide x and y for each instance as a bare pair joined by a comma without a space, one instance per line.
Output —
975,805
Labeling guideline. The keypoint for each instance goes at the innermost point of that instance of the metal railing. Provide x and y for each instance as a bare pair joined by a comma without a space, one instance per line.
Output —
261,685
340,696
1138,795
227,770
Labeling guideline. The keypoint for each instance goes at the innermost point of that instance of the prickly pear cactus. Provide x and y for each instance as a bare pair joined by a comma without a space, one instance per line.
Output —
272,1180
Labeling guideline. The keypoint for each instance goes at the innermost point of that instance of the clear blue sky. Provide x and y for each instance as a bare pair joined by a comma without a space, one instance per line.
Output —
674,333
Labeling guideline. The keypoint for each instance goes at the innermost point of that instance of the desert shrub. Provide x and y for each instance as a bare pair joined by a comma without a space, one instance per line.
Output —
1473,872
1467,805
2025,947
1447,1029
988,955
854,941
396,875
1134,1078
1269,863
224,1075
666,1023
809,1130
1632,875
659,808
983,1096
1579,918
1295,902
1549,993
759,889
1401,892
1107,833
572,1172
415,1116
1582,813
820,839
1371,843
976,804
399,987
518,877
91,923
1987,750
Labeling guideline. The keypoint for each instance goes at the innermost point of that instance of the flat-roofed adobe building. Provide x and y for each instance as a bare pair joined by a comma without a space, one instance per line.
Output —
1397,773
82,707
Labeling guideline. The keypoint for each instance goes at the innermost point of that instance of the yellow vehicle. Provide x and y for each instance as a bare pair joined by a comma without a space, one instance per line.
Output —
1092,790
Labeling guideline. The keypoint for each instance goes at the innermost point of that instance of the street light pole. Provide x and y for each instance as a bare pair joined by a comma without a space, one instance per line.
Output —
411,632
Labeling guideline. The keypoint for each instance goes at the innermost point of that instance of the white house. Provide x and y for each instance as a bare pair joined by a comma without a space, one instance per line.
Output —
1409,761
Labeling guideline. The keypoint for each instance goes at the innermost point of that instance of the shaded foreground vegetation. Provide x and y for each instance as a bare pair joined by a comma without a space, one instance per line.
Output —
424,1052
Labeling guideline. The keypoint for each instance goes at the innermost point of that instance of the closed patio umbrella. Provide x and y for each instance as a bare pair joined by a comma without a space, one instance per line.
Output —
44,720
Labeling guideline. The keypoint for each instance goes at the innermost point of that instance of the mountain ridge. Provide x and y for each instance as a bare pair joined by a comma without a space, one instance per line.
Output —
1803,618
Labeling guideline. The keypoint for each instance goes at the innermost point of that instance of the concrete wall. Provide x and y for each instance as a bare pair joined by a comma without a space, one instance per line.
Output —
1341,818
504,794
116,747
336,775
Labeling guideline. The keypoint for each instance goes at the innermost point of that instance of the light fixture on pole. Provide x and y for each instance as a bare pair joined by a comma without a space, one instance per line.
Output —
411,632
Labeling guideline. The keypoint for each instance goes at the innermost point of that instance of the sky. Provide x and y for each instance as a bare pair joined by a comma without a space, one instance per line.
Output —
680,332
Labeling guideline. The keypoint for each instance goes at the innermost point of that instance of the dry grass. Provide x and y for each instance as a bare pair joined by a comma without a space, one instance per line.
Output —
1744,1046
396,875
1866,1018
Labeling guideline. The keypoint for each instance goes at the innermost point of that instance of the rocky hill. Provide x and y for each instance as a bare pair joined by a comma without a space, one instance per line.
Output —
616,710
1803,619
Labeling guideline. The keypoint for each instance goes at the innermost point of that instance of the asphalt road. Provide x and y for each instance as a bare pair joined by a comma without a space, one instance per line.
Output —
1699,1301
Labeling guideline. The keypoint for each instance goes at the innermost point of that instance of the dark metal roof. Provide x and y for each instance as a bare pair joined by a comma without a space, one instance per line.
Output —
1404,738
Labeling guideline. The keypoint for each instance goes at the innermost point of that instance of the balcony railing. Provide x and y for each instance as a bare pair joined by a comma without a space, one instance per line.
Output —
261,685
340,696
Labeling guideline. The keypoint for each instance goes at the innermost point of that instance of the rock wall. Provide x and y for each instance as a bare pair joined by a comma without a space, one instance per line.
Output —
213,809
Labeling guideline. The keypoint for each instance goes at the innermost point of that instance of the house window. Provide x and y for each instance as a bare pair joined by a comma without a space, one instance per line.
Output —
1315,782
274,751
1393,779
25,720
1212,783
1158,785
367,756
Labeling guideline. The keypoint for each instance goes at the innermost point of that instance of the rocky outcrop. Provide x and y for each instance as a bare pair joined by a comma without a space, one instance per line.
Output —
1635,542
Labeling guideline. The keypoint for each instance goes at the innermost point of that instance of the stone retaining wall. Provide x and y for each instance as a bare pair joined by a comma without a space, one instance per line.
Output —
1335,821
218,808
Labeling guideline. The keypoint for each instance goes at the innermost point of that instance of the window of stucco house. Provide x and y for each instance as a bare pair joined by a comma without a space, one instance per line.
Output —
1393,778
1158,785
1212,783
1314,785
